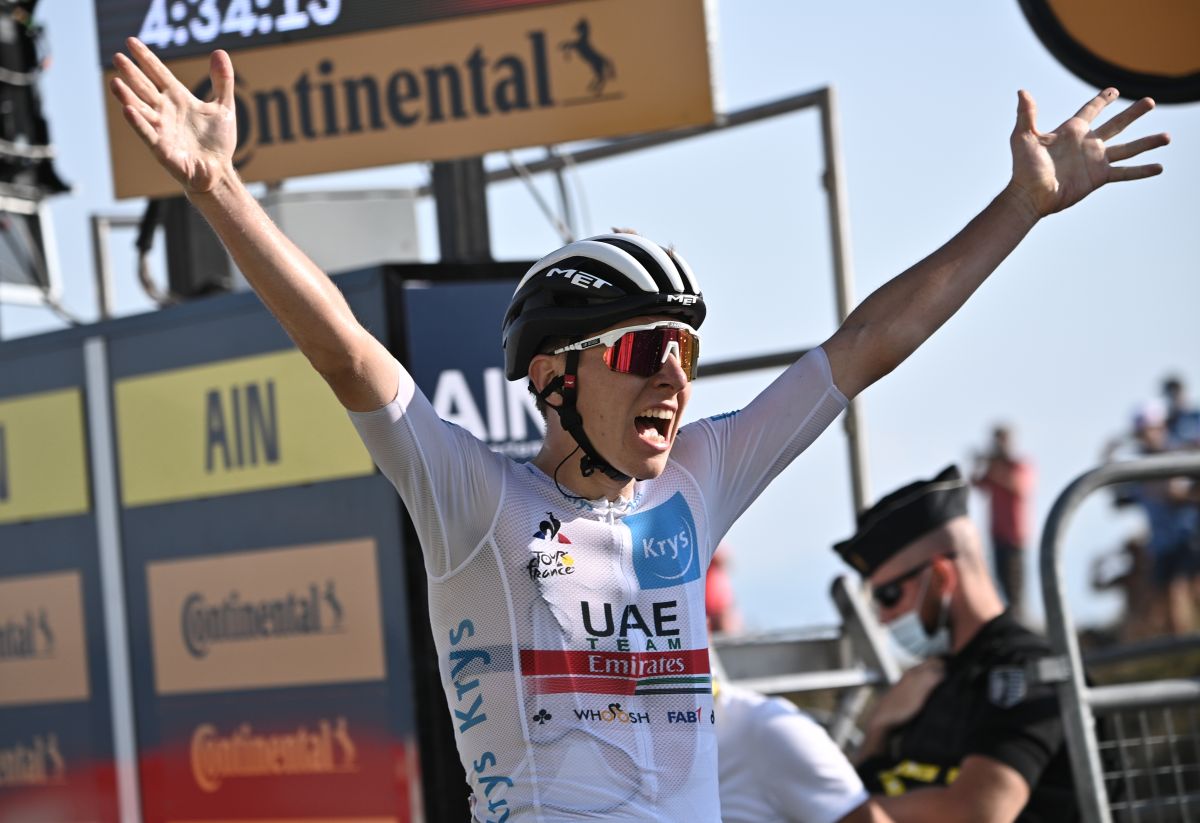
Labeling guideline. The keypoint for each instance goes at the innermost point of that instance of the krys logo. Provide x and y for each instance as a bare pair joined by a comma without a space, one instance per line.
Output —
316,610
326,749
665,550
28,637
322,102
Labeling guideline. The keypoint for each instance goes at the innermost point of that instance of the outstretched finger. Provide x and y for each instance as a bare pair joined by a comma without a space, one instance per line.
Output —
143,128
128,99
1117,123
1121,173
1026,112
154,69
1133,148
220,70
1096,105
134,79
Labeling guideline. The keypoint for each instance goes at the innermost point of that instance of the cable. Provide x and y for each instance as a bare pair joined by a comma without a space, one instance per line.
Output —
516,165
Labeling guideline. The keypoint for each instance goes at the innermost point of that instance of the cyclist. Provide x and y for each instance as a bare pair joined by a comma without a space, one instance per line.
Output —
567,595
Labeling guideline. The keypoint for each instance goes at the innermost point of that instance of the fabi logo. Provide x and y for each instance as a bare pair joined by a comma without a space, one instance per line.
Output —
315,611
28,637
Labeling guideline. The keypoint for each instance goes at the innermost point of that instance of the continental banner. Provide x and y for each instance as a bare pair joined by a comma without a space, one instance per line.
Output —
298,616
312,754
240,425
43,465
43,648
451,88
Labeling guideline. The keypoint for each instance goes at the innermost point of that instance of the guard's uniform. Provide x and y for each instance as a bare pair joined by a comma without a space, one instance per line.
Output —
984,706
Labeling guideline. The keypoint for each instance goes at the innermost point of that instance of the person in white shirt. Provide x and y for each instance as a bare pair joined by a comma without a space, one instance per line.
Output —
566,595
778,765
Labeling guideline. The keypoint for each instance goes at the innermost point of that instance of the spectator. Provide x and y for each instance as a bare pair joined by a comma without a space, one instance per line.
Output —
1183,419
1173,520
1008,482
963,735
719,606
1127,569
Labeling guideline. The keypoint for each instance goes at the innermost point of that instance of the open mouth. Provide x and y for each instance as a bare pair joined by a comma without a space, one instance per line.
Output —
653,425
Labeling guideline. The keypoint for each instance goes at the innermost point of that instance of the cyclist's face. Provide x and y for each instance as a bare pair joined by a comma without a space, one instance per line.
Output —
631,420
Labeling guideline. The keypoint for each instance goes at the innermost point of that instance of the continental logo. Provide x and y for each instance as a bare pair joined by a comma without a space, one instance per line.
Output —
43,462
326,748
36,763
30,637
452,89
315,611
43,656
277,617
234,426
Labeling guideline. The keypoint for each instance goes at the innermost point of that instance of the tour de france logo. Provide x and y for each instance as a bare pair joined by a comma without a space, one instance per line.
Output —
552,560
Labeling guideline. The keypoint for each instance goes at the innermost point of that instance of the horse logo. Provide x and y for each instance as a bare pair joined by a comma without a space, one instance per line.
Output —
602,67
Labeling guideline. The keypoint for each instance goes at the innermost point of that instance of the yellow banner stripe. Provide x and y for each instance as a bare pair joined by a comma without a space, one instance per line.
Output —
43,465
241,425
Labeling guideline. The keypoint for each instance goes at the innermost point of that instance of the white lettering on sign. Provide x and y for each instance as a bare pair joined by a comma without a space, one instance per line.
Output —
509,406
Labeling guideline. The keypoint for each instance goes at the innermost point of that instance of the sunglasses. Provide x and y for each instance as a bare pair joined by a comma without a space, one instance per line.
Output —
888,594
642,350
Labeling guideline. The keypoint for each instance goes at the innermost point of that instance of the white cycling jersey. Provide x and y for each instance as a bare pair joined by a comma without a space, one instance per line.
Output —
571,634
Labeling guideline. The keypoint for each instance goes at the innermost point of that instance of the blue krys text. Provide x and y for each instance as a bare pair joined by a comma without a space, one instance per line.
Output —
468,715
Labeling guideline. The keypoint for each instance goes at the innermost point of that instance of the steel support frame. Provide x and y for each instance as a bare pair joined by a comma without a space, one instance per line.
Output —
1076,699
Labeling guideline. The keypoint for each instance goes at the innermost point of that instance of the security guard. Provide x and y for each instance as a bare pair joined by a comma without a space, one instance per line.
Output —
964,735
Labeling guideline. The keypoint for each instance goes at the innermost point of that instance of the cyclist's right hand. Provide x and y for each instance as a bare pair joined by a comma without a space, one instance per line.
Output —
192,139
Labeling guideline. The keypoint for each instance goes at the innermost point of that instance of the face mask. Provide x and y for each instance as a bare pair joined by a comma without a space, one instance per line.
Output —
909,632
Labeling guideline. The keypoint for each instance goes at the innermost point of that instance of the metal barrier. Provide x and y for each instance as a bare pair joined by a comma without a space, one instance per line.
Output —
1141,762
854,660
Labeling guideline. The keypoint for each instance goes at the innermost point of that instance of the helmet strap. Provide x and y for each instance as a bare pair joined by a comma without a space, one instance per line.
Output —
572,422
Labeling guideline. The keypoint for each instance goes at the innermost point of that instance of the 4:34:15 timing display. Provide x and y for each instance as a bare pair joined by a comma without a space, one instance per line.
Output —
177,23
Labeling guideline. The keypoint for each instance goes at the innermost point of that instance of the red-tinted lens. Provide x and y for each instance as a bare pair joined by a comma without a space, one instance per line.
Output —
641,352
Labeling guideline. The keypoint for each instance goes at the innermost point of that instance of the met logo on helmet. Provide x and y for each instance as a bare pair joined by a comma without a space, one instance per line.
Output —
579,278
685,299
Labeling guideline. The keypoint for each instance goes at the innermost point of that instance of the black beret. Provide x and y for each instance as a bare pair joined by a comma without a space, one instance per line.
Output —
903,516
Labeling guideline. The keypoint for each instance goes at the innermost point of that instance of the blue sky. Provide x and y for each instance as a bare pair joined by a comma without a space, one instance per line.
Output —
1073,331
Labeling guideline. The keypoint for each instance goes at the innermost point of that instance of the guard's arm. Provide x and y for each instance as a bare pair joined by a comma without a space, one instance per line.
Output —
986,791
868,812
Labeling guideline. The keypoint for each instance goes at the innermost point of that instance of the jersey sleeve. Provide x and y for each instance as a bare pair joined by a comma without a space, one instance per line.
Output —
734,456
1023,734
809,779
450,482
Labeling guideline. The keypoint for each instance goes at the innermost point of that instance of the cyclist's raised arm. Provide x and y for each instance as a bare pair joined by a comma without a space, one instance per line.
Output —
194,141
1051,171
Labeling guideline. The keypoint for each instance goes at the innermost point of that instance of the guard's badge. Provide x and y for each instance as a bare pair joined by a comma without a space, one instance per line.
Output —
1007,686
